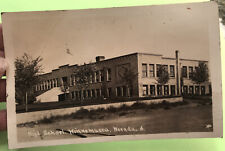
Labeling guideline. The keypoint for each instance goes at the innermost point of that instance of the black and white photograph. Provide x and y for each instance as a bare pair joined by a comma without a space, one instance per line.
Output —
126,73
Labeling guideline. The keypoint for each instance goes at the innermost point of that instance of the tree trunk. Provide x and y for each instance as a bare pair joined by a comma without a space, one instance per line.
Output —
26,104
81,96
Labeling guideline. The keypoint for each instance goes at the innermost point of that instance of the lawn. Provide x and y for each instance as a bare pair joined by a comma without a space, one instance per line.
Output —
193,116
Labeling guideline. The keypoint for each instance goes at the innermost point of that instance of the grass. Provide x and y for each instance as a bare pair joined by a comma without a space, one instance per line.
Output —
123,110
102,113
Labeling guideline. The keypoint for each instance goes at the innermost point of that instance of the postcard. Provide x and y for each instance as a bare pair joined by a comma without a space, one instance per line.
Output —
113,74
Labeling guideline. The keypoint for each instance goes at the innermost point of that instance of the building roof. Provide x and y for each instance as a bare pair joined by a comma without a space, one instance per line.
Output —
123,56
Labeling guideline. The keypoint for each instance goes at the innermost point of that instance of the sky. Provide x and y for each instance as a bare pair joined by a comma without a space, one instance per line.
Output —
75,37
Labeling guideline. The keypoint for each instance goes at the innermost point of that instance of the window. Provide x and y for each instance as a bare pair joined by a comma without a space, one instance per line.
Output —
130,91
202,90
191,90
84,94
72,94
166,90
172,89
93,93
57,82
118,91
172,71
157,69
90,79
101,74
152,89
159,89
71,80
108,73
49,84
145,90
45,85
97,76
77,95
184,71
144,70
94,77
89,93
54,82
185,90
124,91
42,86
210,89
64,79
197,91
98,92
109,91
165,67
151,70
190,72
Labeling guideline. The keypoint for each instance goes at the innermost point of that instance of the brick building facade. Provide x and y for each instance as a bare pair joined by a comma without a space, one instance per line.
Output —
107,80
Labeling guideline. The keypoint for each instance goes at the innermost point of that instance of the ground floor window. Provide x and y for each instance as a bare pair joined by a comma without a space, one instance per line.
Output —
185,90
191,90
197,91
159,89
84,94
73,95
152,89
145,90
118,91
93,93
109,91
89,93
202,90
166,90
77,95
131,91
210,89
124,91
98,92
172,89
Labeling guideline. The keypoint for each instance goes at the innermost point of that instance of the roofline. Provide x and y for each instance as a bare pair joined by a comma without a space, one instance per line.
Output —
184,59
136,53
194,60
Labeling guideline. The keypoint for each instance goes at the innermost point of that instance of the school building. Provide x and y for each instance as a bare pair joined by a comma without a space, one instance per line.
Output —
108,79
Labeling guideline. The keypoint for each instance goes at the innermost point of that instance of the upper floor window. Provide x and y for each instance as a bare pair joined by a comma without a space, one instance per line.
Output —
97,76
190,71
151,70
101,74
172,71
108,74
184,71
157,70
165,67
144,70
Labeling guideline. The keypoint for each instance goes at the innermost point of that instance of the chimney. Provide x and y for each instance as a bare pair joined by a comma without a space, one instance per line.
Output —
177,71
100,58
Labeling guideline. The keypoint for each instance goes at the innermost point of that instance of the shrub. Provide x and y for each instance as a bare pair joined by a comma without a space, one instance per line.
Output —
138,105
112,109
46,120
